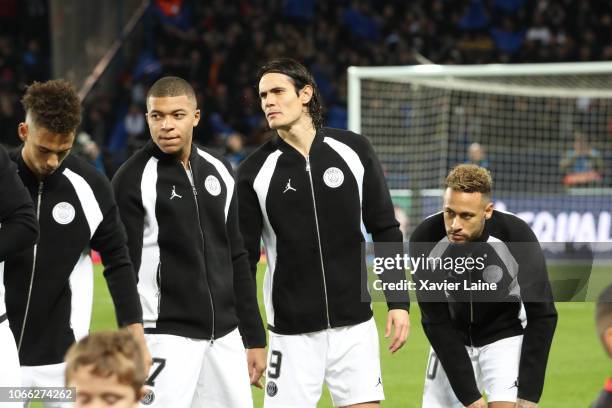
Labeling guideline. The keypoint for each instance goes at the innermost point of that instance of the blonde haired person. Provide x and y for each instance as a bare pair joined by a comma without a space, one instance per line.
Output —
107,369
491,326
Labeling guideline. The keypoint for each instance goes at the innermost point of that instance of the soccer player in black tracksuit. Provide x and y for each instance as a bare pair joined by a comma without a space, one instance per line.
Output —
603,322
179,206
49,287
307,191
494,338
18,230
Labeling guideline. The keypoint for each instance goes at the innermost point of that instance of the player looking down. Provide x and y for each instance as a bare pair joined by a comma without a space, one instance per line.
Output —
496,342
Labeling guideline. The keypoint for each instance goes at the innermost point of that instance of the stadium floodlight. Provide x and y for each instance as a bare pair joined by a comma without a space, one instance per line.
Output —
529,119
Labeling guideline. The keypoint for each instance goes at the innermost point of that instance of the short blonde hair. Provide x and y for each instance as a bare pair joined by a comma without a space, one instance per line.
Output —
470,178
109,353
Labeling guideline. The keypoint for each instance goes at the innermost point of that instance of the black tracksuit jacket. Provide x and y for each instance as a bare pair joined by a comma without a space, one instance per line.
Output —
184,242
309,212
76,211
477,318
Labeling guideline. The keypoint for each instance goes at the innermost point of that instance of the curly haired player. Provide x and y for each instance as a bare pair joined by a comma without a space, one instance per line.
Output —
49,286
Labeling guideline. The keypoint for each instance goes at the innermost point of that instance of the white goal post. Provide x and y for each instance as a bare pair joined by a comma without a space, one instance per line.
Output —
544,131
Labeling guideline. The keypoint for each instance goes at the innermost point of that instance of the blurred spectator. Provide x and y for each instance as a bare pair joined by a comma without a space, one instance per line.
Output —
9,120
358,18
135,126
218,46
539,32
90,151
582,165
507,38
475,16
95,125
34,62
234,149
477,155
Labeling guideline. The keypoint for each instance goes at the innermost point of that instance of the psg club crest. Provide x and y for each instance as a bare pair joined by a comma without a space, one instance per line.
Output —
212,185
493,274
333,177
271,388
63,213
148,398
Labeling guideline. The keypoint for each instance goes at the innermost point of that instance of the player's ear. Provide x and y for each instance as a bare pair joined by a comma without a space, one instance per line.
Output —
196,118
22,131
489,210
306,94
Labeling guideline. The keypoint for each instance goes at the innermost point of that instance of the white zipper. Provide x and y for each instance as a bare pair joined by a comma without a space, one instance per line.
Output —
314,204
27,308
195,198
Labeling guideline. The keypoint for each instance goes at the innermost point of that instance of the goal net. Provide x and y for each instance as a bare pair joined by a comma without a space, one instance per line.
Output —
544,131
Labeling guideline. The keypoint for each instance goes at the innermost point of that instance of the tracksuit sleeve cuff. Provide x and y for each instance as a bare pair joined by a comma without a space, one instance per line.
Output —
399,305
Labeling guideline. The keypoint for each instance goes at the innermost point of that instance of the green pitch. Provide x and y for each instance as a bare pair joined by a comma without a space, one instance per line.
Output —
576,371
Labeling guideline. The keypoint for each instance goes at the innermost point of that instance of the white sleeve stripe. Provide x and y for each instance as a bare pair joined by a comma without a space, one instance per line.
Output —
2,290
504,253
261,185
88,201
81,284
225,176
352,161
148,289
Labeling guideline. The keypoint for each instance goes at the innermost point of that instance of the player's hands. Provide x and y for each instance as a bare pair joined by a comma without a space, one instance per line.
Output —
399,319
137,331
521,403
256,361
478,404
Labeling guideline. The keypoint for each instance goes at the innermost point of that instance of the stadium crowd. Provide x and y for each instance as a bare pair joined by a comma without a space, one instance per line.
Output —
218,46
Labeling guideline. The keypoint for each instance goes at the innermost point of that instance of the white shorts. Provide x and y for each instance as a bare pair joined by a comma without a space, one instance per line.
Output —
52,375
10,375
195,373
495,367
347,359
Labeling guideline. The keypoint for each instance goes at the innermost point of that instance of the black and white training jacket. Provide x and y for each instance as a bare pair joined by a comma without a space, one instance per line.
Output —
18,226
521,304
50,285
309,211
185,244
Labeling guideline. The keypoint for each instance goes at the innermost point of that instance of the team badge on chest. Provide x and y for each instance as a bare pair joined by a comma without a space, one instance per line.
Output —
333,177
212,185
63,213
493,274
